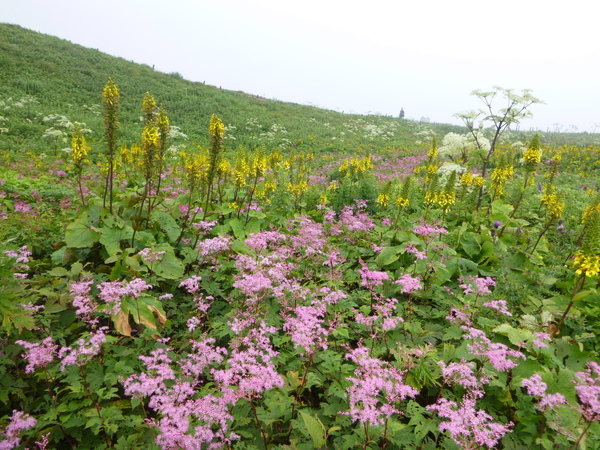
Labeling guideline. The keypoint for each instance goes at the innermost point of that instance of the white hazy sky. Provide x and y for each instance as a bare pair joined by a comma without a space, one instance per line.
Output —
373,56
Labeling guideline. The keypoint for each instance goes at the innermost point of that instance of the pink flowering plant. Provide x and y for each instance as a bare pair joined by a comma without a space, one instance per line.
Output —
271,295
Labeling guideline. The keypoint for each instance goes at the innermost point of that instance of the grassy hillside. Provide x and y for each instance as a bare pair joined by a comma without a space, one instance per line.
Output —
42,75
67,79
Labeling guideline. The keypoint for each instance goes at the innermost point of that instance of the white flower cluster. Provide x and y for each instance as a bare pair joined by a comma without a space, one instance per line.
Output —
458,146
446,169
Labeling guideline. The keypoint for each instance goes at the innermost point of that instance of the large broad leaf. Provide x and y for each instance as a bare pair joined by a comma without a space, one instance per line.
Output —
80,233
168,224
388,256
169,266
146,311
469,243
111,238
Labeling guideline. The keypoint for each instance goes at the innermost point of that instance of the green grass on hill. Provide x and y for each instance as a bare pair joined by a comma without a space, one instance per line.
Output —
60,77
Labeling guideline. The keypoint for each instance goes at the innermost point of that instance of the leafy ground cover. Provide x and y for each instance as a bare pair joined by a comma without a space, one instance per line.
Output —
273,296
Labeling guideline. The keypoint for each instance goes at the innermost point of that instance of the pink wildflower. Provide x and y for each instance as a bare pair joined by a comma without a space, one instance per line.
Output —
587,387
10,435
426,230
498,305
468,425
376,387
536,387
409,284
38,355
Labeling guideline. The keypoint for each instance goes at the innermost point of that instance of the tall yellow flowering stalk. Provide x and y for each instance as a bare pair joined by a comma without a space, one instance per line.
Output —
79,153
110,102
531,159
216,131
586,263
555,208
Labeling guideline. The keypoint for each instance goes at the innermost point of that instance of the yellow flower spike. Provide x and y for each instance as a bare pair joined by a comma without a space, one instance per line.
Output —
383,199
110,93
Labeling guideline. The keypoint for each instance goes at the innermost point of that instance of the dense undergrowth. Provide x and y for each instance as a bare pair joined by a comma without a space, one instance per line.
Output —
161,294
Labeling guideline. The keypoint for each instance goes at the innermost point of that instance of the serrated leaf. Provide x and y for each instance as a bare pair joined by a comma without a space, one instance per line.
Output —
111,238
168,224
169,266
79,234
516,336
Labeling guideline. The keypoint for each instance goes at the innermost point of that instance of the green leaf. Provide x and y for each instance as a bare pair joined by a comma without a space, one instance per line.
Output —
469,244
80,234
315,428
168,224
388,256
169,266
515,336
111,238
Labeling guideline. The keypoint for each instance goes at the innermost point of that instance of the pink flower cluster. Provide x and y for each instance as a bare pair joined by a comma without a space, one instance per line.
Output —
86,349
9,437
501,357
427,230
189,417
536,387
409,284
467,425
376,388
38,355
477,285
251,369
587,387
498,305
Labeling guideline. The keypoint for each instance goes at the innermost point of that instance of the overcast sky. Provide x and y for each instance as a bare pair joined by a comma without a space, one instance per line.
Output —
375,56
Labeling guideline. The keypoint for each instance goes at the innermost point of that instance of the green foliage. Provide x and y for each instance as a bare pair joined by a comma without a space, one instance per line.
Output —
288,292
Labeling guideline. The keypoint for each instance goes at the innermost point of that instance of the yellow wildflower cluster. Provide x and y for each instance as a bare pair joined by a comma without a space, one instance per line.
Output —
593,206
356,166
270,187
223,168
446,199
149,104
333,186
239,178
418,169
431,198
259,164
79,146
383,199
216,129
433,151
533,154
196,167
431,171
323,199
588,265
110,93
402,202
466,179
502,174
478,181
150,135
554,207
298,188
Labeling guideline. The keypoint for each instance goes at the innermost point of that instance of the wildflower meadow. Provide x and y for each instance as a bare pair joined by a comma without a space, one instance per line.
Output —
158,293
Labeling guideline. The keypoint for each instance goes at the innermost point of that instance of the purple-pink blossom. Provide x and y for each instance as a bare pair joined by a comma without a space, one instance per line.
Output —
38,354
377,387
409,284
10,435
467,424
587,386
